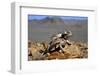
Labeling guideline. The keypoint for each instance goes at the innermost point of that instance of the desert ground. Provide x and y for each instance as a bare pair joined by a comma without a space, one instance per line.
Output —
75,50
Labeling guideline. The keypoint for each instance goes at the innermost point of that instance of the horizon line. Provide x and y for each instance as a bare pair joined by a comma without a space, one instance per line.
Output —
40,17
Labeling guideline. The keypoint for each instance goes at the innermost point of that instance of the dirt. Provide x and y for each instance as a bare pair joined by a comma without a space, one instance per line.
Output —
75,50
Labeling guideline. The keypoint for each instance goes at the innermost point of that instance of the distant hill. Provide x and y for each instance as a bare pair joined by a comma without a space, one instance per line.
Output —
42,30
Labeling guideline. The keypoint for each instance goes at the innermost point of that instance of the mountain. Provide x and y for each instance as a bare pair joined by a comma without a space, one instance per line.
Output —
52,20
43,29
48,20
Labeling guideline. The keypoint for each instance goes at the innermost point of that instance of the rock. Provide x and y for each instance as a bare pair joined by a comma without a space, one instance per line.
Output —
56,55
76,50
72,51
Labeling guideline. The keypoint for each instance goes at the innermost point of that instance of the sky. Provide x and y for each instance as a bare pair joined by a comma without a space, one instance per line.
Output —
39,17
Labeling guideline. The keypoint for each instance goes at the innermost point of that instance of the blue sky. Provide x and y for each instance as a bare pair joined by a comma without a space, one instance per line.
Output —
39,17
